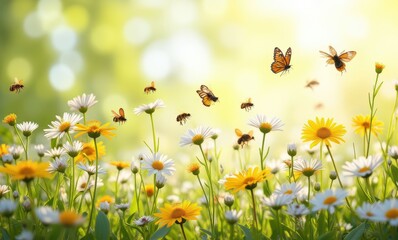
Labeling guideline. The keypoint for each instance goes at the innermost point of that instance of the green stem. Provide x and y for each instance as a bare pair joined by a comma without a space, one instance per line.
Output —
55,196
372,111
211,202
22,143
370,189
309,189
182,230
27,148
294,178
136,195
72,185
254,209
95,186
278,220
155,150
262,152
116,185
231,232
207,200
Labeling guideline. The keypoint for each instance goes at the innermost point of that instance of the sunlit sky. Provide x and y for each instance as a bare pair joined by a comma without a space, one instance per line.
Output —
116,48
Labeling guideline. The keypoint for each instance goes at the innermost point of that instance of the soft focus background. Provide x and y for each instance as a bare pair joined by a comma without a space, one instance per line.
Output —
114,49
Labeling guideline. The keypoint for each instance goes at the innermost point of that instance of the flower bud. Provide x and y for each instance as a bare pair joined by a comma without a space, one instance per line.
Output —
229,200
332,175
292,149
317,186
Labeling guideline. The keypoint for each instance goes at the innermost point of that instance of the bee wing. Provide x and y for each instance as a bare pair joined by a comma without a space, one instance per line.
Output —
17,81
121,112
328,56
114,113
238,132
332,51
152,84
204,88
201,93
347,56
206,101
250,133
249,100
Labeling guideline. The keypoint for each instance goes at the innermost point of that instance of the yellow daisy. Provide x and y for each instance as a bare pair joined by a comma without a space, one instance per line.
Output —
322,131
194,168
105,198
70,219
177,213
362,125
94,129
3,149
120,165
149,190
246,179
88,152
26,170
10,119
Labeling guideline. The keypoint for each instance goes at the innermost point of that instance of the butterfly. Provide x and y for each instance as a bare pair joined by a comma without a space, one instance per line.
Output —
207,95
281,62
311,84
338,60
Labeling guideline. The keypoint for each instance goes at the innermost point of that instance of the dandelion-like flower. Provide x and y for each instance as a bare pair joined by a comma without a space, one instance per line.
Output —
306,167
196,136
64,125
158,164
27,128
266,125
82,103
362,124
149,108
149,190
94,129
73,149
58,165
246,179
362,167
88,152
10,119
26,170
144,220
232,216
322,131
297,210
177,213
366,211
379,67
386,211
194,168
328,200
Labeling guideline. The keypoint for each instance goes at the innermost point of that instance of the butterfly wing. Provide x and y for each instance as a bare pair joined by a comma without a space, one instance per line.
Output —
328,56
347,56
332,51
288,56
279,61
206,94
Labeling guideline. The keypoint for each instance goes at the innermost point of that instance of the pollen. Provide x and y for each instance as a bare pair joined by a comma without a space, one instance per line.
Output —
366,125
330,200
288,192
248,180
158,165
323,133
198,139
27,171
64,127
364,169
265,127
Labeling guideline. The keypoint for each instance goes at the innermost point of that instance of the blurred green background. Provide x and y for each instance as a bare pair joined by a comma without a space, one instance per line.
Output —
114,49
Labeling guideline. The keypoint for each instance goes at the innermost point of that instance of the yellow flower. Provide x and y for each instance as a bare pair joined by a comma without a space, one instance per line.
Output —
362,124
70,218
10,119
177,213
149,190
3,149
379,67
88,152
322,131
119,165
26,170
94,129
246,179
194,168
105,198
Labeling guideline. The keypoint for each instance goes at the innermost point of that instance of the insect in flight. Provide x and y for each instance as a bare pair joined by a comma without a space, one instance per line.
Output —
183,117
338,60
150,88
207,95
120,118
311,84
17,86
281,62
244,138
247,105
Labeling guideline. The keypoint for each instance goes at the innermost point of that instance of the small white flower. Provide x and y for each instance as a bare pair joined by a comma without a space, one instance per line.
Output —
307,167
90,169
83,184
27,128
82,103
232,216
55,152
7,158
292,149
160,180
122,206
229,199
124,177
196,136
276,166
173,198
393,152
266,125
276,201
328,200
25,235
362,167
7,207
15,151
40,150
297,210
386,211
63,125
366,211
47,215
144,220
149,108
58,165
74,148
135,167
105,207
4,189
291,189
158,164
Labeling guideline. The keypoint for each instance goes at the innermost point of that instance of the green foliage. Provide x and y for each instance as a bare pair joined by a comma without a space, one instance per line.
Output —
102,227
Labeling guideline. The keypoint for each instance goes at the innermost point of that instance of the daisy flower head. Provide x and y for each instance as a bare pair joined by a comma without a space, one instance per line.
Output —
362,125
105,198
297,210
135,167
3,190
393,152
122,206
64,125
40,150
276,166
25,235
94,129
158,164
83,183
246,179
232,216
362,167
90,169
149,108
194,168
104,207
7,207
266,125
10,119
82,103
70,219
58,165
177,213
144,220
366,211
26,170
55,152
290,189
328,200
292,149
66,218
119,165
160,180
306,167
16,151
7,158
386,211
27,128
73,149
379,67
88,152
196,136
322,131
277,201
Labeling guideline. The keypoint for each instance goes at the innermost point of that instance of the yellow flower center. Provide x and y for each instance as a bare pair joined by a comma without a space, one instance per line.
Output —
88,151
308,172
330,200
158,165
64,127
83,185
369,214
364,169
265,127
366,125
288,192
177,213
27,171
392,213
10,119
198,139
323,133
68,218
248,180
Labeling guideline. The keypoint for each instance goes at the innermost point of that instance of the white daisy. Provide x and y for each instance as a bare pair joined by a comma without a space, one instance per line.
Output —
173,198
393,152
90,169
158,164
196,136
232,216
82,103
229,199
292,149
40,150
160,180
7,207
387,211
144,220
362,167
63,125
104,207
122,206
84,185
266,125
73,149
58,165
149,108
366,211
306,167
25,235
47,215
15,151
55,152
27,128
7,158
291,189
328,200
276,201
4,189
297,210
276,166
135,167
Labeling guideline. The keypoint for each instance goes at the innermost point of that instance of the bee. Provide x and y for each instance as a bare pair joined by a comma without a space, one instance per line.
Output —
311,84
17,86
247,105
318,106
150,88
207,95
281,62
183,117
244,138
338,60
120,118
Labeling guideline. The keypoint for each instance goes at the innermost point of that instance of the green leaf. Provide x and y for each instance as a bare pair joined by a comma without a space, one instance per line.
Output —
53,143
5,235
160,233
394,173
327,236
130,217
206,231
246,232
86,237
357,232
102,227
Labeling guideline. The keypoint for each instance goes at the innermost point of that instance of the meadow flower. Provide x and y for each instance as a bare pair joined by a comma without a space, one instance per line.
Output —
25,235
10,119
160,180
27,128
105,198
292,149
177,213
328,200
58,165
158,164
246,179
7,158
70,219
135,167
119,165
47,215
7,207
362,124
194,168
321,131
144,220
4,149
386,211
3,190
149,108
232,216
64,125
40,150
73,149
82,103
149,190
90,169
290,189
393,152
297,210
26,204
26,170
104,207
16,151
94,129
266,125
88,152
276,166
366,211
196,136
55,152
306,167
122,206
362,167
83,184
379,67
173,198
229,199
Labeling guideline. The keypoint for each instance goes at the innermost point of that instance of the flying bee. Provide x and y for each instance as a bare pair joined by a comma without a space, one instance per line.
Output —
244,138
207,95
150,88
338,60
183,117
120,118
247,105
17,86
318,106
311,84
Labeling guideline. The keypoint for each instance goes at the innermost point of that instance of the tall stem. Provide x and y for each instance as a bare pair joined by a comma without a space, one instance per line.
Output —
372,111
22,143
116,185
254,209
182,230
262,153
155,150
136,194
207,200
95,186
72,185
211,198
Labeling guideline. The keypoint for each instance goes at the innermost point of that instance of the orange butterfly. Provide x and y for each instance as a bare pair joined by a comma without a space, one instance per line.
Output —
338,60
207,95
281,62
